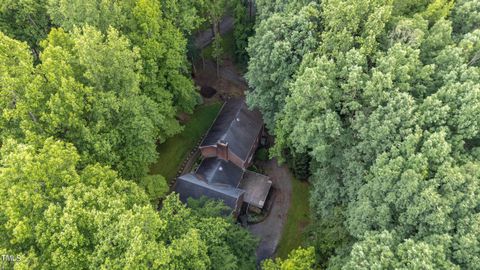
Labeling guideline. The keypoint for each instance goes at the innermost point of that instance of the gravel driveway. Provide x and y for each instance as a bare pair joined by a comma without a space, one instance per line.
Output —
270,230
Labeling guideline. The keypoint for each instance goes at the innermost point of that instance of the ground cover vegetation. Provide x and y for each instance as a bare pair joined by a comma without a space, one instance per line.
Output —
298,219
383,98
173,151
88,89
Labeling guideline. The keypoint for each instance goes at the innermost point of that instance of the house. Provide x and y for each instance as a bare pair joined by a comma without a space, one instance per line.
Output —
228,150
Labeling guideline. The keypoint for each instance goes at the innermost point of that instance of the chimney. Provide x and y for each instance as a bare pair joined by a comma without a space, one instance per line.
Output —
222,149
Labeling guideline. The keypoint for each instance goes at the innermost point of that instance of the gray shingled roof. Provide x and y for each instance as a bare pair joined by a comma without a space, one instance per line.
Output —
190,186
219,171
237,125
215,178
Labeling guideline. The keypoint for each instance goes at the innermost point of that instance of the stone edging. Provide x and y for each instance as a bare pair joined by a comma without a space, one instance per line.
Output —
188,161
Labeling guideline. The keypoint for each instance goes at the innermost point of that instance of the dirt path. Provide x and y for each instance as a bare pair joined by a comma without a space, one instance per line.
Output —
270,230
203,38
230,80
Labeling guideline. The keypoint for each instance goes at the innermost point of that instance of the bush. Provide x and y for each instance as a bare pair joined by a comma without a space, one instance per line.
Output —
155,186
207,91
262,154
299,163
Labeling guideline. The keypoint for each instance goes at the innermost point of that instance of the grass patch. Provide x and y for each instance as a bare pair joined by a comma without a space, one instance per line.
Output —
228,45
173,151
297,219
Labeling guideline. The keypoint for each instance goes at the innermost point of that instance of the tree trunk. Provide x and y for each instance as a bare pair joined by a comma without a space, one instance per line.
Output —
216,28
32,116
250,7
193,66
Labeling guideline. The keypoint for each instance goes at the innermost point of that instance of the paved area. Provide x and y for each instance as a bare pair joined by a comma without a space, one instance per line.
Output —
270,230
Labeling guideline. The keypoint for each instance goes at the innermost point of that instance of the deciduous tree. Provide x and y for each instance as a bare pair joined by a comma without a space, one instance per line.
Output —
299,259
55,215
276,52
25,20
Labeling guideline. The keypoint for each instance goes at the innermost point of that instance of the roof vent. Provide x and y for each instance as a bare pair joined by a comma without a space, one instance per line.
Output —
220,168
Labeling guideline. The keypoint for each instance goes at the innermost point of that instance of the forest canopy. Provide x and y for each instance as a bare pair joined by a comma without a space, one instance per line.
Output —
88,89
383,97
375,102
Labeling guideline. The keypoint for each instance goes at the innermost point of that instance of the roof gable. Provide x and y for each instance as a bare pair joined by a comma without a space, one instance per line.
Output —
216,171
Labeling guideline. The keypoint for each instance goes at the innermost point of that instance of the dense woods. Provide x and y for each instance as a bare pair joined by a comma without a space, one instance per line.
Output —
87,91
376,103
57,216
383,97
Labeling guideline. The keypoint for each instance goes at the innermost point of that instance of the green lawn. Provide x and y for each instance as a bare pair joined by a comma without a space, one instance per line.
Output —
297,219
173,151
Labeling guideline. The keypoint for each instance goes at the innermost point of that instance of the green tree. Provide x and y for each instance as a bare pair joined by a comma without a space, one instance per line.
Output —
466,16
243,29
16,68
25,20
232,246
266,8
382,251
298,259
275,53
386,107
163,49
86,91
360,24
185,15
162,46
217,52
55,215
214,10
155,186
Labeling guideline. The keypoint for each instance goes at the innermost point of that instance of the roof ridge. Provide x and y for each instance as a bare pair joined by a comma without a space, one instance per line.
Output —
233,120
214,120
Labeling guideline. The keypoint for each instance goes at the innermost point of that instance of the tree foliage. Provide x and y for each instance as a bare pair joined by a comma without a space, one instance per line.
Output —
86,90
466,16
16,68
55,215
266,8
243,29
110,80
25,20
386,105
381,251
162,46
82,107
275,52
298,259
